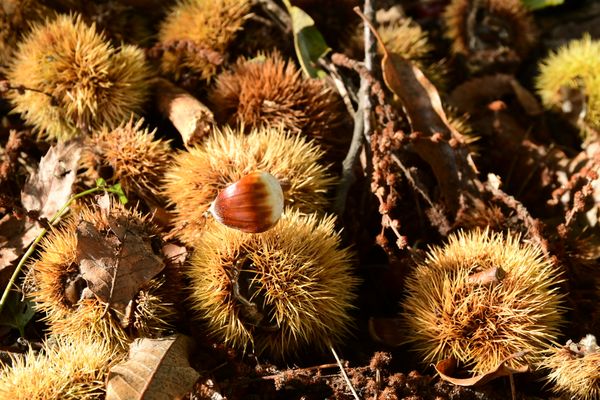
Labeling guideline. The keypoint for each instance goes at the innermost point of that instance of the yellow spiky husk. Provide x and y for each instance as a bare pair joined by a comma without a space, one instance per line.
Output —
576,66
196,176
49,275
481,325
406,38
269,90
93,83
134,156
69,368
297,274
521,22
206,24
574,375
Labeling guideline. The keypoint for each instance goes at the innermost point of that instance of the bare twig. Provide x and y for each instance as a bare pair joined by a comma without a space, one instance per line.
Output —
370,49
409,177
344,375
532,225
5,86
339,84
307,369
362,119
348,177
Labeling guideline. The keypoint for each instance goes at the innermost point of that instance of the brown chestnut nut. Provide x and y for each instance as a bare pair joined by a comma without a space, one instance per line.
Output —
253,204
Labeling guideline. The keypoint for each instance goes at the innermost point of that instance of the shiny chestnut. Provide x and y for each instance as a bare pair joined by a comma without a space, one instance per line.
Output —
253,204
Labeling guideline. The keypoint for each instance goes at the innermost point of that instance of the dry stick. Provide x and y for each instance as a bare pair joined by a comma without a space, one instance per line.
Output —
513,388
362,120
409,177
370,49
348,177
343,371
307,369
531,224
339,84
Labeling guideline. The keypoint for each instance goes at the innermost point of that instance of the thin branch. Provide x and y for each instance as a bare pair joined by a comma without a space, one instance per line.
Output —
343,371
362,118
370,49
348,178
300,370
339,84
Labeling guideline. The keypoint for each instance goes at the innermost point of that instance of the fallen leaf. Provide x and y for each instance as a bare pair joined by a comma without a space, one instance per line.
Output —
470,95
452,166
49,188
44,193
155,369
192,119
175,254
308,41
527,100
116,264
448,367
419,97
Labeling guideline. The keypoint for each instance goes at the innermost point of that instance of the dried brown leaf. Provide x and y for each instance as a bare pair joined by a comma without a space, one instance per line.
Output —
527,100
418,95
15,235
174,253
155,369
44,193
49,188
116,265
447,367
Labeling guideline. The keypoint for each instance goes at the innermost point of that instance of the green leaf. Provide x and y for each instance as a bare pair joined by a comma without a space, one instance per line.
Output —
17,313
308,41
118,190
539,4
100,183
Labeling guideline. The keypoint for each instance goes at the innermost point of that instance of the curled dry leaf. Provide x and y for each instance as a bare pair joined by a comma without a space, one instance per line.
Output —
192,119
490,276
155,369
44,193
448,367
175,254
470,95
116,265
